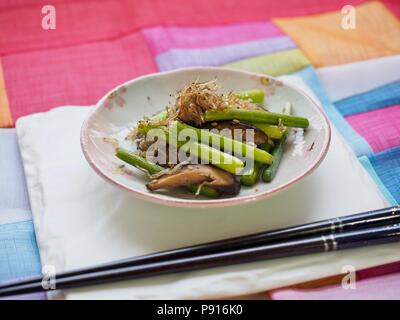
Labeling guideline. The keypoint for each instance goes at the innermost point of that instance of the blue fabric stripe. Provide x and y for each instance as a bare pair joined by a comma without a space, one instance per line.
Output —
19,254
384,167
384,96
370,169
359,145
387,166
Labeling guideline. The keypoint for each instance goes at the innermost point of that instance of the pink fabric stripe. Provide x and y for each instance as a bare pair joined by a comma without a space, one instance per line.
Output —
40,80
385,287
162,39
379,271
12,4
77,22
394,6
80,21
381,127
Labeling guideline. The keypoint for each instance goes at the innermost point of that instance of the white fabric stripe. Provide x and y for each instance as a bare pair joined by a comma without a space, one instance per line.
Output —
349,79
14,215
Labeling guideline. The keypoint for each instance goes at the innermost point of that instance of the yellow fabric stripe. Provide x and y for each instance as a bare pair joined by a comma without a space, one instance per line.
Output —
274,64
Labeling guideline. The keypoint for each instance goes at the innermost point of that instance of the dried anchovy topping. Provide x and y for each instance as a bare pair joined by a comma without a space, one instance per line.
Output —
196,98
190,105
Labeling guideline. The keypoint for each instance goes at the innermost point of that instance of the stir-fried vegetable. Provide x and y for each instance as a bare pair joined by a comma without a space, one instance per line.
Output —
269,172
273,132
227,144
200,174
211,128
250,178
256,116
137,161
142,163
255,95
206,153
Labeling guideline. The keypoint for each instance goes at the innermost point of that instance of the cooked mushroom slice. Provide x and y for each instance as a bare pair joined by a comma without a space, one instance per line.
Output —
259,136
207,175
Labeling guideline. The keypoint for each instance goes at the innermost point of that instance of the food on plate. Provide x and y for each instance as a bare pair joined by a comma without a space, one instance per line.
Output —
204,174
211,143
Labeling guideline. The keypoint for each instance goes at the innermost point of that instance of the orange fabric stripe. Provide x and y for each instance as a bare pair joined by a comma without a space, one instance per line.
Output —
329,281
5,115
313,284
325,42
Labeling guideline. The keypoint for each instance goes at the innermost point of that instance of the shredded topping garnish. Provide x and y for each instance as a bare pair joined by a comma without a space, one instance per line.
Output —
196,98
190,105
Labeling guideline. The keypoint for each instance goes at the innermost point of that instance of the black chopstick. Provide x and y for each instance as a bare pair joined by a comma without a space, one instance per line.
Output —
316,244
359,221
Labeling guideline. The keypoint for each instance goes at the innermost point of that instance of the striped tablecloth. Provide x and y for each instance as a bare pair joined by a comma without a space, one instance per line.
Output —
96,45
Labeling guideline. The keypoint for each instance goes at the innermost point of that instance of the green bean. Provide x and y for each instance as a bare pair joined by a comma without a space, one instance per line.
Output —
162,115
265,146
227,144
269,172
138,161
273,132
142,163
145,126
250,178
256,116
204,152
204,191
216,157
255,95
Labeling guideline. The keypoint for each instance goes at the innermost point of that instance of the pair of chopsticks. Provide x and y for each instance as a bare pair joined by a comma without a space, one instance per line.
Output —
358,230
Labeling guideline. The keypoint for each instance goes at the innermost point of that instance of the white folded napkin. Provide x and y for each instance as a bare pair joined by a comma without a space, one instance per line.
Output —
81,220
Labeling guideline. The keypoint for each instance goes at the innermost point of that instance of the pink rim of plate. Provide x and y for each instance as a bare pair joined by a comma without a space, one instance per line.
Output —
224,202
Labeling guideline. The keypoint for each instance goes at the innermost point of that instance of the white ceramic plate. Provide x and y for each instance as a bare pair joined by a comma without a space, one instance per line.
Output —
125,105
